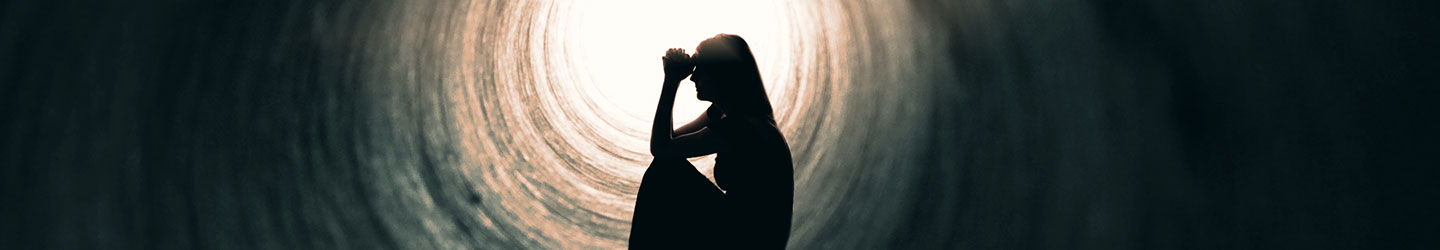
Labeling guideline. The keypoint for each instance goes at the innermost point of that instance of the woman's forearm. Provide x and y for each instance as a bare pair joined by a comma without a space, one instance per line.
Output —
663,130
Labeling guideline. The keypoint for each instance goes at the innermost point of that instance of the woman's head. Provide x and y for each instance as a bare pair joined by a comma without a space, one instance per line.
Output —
726,74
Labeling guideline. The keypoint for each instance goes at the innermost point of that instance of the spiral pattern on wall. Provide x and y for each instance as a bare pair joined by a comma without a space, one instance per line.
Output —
557,163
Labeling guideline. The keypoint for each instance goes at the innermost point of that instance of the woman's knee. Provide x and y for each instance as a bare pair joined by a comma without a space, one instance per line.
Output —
666,169
669,162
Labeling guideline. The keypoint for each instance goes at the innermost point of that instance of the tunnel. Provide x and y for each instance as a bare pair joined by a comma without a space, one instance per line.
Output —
522,124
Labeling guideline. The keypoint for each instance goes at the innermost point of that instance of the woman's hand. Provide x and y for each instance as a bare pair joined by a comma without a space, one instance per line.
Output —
677,65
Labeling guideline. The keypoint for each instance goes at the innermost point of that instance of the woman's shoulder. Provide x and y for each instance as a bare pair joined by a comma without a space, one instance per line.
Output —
714,114
743,126
737,123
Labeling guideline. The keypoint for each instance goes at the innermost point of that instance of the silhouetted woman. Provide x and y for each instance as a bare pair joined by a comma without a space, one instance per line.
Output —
677,207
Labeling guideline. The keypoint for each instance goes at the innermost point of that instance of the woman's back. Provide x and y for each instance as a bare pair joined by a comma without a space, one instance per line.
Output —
754,169
754,149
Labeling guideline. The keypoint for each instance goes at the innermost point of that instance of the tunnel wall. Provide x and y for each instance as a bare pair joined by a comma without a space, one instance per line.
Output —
924,124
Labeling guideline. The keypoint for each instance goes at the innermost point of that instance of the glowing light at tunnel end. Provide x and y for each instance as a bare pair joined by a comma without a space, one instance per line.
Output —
619,45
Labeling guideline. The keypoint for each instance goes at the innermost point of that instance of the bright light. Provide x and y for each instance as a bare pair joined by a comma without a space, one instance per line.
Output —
617,45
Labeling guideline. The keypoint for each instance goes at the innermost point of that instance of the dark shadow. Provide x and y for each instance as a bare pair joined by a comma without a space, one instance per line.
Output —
677,207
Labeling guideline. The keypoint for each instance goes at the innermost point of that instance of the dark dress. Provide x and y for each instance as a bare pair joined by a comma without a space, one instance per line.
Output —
678,208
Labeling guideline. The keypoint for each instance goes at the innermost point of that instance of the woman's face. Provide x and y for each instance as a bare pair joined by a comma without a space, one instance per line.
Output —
704,89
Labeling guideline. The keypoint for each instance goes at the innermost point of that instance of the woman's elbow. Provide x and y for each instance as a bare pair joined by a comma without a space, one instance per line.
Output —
659,148
658,151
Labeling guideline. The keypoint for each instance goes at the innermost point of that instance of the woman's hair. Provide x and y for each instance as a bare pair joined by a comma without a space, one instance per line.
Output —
731,67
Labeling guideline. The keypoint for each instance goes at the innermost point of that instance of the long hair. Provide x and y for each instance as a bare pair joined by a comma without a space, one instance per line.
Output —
737,77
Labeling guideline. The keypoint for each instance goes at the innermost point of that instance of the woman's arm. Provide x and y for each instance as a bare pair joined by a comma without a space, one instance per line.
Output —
695,125
661,132
663,140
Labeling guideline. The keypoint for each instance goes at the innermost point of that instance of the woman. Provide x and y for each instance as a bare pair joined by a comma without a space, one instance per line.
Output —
677,207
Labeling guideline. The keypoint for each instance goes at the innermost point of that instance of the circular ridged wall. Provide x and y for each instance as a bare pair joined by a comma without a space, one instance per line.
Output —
554,100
